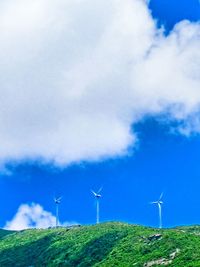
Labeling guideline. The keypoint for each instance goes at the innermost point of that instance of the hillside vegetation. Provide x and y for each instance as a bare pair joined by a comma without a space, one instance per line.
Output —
107,244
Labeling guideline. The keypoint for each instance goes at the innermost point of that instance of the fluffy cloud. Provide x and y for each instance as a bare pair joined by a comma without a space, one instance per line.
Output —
33,216
29,216
77,74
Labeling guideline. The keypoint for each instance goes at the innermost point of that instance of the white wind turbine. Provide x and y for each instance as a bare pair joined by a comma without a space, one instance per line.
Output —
159,202
97,197
57,201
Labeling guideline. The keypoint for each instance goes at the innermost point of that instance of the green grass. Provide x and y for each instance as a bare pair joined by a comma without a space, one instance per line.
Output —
107,244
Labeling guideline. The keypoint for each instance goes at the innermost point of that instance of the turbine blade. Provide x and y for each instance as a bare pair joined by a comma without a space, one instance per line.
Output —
100,190
93,193
161,196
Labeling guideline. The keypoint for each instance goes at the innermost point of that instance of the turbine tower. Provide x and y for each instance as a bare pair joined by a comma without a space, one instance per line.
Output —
57,202
97,197
159,202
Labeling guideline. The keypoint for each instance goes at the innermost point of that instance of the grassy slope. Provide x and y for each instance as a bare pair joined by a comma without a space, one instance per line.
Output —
108,244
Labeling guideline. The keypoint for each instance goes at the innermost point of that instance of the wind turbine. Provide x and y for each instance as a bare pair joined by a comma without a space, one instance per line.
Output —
97,197
159,202
57,201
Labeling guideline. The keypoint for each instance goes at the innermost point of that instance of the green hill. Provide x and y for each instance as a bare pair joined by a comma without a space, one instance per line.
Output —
107,244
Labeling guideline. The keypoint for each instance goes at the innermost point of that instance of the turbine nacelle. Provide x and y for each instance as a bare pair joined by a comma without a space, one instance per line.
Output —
96,194
159,201
57,200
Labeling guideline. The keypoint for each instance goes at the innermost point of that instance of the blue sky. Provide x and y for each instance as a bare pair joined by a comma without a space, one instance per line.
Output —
129,183
163,160
171,12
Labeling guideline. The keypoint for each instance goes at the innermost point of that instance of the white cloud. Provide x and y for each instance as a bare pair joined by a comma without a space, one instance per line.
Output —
76,74
31,216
